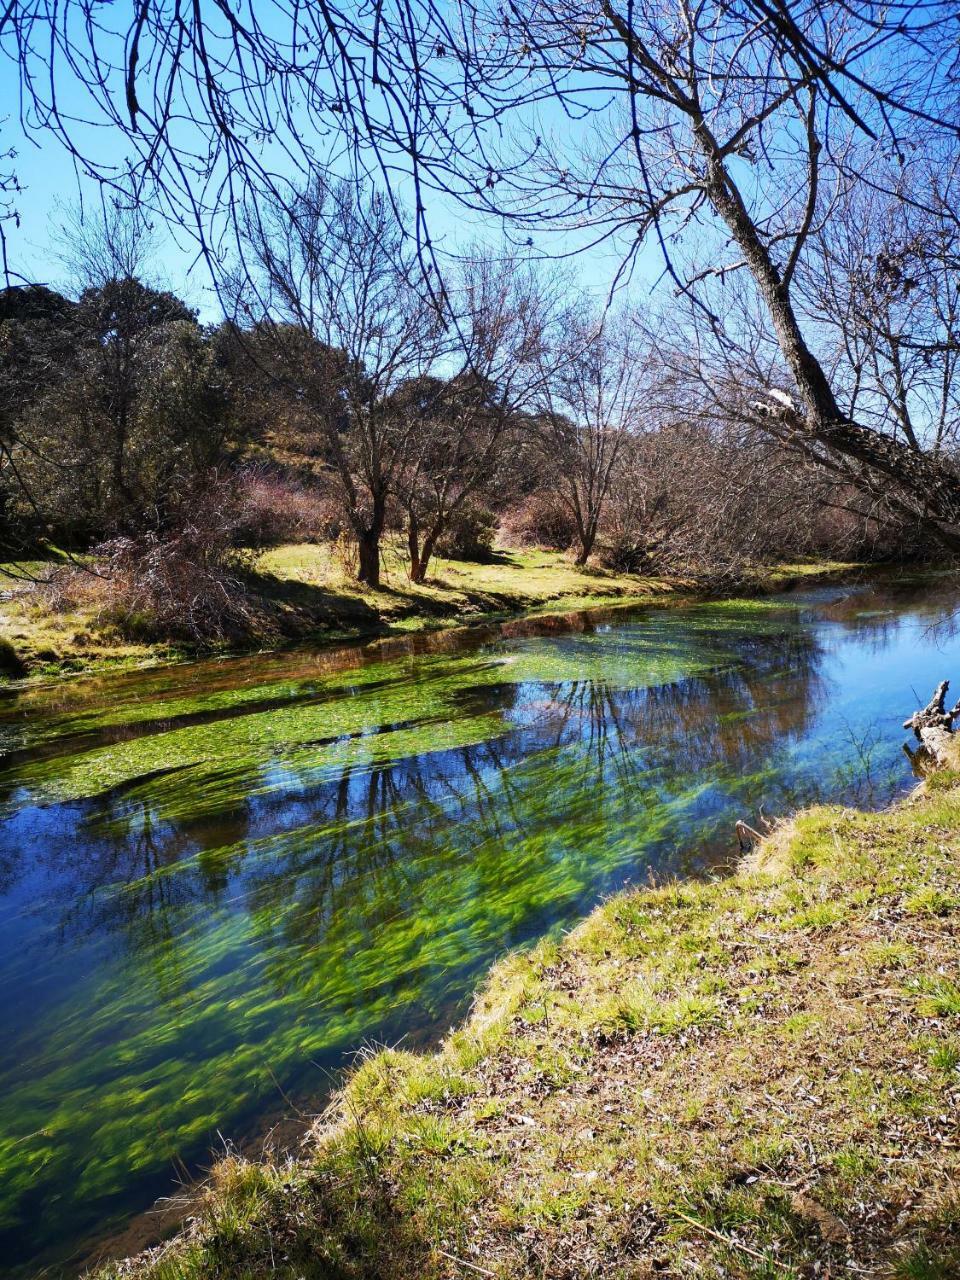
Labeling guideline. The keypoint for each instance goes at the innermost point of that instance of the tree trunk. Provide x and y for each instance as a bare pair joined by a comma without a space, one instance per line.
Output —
931,487
939,744
417,570
368,544
933,725
426,551
588,537
368,541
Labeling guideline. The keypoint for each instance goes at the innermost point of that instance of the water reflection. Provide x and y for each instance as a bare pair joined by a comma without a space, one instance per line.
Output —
210,892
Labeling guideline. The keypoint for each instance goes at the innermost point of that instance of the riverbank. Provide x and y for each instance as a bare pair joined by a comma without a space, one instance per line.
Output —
302,594
754,1076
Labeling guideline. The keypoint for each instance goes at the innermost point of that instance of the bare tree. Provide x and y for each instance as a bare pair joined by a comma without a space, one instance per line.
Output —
340,301
741,120
883,282
506,320
593,401
213,102
112,241
9,190
736,118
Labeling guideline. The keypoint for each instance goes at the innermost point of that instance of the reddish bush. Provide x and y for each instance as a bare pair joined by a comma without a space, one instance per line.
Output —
274,509
177,580
181,585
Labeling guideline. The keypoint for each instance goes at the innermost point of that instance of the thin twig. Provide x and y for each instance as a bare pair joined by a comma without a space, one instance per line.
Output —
734,1244
471,1266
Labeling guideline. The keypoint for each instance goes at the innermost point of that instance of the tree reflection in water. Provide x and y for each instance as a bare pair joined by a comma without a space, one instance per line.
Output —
181,944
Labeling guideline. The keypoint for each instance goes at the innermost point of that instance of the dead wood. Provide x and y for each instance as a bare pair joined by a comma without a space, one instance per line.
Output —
933,724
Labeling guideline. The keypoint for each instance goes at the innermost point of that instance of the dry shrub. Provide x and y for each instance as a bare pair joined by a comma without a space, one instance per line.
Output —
274,509
68,588
539,520
180,579
178,585
856,526
712,505
344,554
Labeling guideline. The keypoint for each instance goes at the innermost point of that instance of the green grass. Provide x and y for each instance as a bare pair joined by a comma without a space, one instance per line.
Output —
303,592
712,1079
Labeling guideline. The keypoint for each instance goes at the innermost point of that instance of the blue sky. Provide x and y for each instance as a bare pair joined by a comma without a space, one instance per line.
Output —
51,183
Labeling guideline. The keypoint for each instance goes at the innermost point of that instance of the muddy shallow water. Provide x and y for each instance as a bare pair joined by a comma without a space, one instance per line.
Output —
218,880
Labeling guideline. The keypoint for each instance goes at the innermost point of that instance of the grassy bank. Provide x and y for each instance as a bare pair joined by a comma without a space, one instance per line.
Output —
752,1077
302,592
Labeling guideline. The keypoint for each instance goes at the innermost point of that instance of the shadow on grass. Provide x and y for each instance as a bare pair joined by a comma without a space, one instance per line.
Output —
300,605
488,557
304,604
326,1227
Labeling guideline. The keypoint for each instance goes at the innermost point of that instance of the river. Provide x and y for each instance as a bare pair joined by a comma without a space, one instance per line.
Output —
219,880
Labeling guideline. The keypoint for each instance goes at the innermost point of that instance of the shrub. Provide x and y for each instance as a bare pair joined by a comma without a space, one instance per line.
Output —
711,505
539,520
345,555
624,551
470,534
176,580
181,584
274,509
11,664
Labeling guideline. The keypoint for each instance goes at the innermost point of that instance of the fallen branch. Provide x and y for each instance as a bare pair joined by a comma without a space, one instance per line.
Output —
747,835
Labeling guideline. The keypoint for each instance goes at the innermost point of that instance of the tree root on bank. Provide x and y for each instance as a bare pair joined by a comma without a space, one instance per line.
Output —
933,726
748,836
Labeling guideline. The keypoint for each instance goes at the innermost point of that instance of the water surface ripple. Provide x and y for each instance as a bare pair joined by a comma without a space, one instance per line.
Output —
218,880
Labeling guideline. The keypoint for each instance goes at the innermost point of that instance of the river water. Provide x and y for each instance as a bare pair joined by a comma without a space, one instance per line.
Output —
219,880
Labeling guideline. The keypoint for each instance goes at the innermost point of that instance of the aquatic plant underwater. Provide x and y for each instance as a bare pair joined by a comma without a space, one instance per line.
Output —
217,881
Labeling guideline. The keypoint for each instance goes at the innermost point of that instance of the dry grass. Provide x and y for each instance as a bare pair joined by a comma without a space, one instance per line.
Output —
70,637
753,1077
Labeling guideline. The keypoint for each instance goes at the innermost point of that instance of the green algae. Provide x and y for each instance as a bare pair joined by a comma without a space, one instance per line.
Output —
389,696
309,967
214,915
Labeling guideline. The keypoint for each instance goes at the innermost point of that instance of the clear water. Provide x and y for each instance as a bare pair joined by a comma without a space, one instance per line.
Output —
218,880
